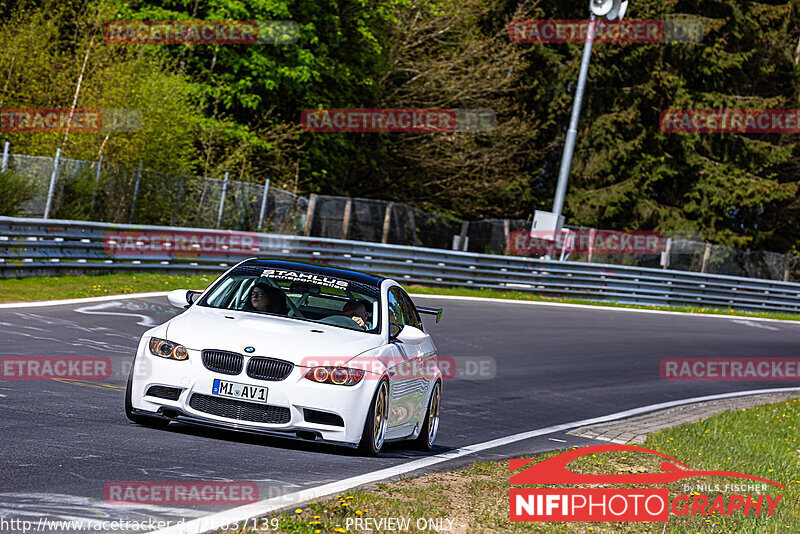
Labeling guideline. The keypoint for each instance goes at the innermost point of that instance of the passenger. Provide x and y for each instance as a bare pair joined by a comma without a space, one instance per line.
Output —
357,311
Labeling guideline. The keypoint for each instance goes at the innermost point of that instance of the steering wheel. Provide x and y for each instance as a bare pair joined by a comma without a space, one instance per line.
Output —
294,311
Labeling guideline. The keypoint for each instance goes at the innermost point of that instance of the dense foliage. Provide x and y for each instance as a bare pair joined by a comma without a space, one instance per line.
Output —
212,109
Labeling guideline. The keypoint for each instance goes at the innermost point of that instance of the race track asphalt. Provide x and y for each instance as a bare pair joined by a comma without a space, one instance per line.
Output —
62,441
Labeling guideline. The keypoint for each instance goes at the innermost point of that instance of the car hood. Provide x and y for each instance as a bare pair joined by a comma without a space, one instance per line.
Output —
293,340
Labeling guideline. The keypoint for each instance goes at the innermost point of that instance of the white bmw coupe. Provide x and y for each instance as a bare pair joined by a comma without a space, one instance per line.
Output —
296,351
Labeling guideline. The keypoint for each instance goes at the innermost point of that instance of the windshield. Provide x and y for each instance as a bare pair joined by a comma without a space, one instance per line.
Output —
299,295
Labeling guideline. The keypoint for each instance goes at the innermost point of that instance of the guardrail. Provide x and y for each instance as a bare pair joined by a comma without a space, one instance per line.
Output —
30,247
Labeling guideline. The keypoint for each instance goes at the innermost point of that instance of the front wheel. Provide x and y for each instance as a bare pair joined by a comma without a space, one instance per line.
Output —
375,426
424,442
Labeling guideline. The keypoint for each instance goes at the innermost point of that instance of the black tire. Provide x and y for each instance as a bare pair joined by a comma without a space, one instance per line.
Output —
430,428
374,435
152,422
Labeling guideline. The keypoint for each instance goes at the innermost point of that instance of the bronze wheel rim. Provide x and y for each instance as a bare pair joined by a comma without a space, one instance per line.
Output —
433,414
379,422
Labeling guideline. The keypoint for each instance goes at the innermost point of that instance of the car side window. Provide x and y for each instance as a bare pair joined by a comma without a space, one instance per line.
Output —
413,315
403,309
396,307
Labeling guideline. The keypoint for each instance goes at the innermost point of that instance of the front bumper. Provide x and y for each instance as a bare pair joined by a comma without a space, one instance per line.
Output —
295,394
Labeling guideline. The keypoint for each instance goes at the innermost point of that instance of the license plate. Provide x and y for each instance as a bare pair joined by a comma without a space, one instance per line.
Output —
223,388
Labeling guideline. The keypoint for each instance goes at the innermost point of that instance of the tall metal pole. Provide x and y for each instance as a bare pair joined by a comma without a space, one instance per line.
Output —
96,184
52,188
4,165
572,132
135,191
222,200
263,205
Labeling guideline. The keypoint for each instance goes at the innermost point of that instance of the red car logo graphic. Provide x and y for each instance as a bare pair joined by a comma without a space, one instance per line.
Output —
554,470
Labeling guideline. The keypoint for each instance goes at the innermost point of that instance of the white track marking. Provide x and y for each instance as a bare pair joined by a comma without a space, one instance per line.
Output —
242,513
145,320
752,324
87,300
598,307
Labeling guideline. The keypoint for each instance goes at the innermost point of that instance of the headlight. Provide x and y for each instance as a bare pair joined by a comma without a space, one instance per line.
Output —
167,349
341,376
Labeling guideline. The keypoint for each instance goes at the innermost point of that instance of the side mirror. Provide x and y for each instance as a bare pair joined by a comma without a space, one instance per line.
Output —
182,298
411,335
394,330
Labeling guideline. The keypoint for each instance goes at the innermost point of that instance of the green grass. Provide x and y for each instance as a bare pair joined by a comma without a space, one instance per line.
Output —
66,287
62,287
758,441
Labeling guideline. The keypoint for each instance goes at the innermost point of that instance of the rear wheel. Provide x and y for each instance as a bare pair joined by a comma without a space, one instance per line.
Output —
430,427
375,426
153,422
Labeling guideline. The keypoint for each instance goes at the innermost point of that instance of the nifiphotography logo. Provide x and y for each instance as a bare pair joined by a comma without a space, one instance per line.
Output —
621,504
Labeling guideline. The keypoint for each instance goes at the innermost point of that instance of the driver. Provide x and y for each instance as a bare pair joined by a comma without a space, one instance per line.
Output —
265,298
357,311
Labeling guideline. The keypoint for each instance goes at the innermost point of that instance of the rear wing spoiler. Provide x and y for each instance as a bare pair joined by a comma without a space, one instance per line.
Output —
431,311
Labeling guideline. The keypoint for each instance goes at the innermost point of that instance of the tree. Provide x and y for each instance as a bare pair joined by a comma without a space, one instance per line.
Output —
733,189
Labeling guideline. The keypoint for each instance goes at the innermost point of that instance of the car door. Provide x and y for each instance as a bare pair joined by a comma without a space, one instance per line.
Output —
409,383
424,352
402,405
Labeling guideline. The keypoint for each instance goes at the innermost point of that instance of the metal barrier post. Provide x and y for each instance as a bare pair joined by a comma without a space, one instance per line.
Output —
592,237
348,208
787,261
665,254
96,183
412,222
135,191
706,254
312,205
4,165
52,188
263,205
222,199
387,219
